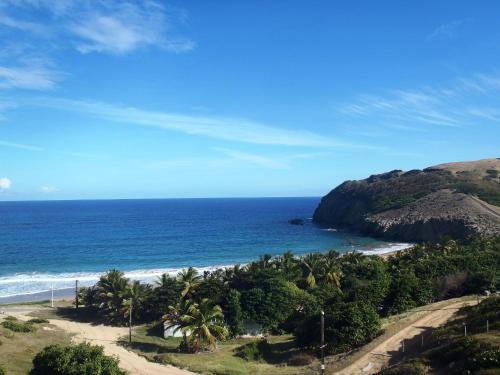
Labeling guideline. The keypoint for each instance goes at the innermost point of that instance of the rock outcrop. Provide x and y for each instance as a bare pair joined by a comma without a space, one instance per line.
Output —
454,200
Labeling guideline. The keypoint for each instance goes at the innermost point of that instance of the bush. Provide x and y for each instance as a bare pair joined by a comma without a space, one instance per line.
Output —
74,359
254,351
412,367
301,359
18,326
38,321
2,371
11,318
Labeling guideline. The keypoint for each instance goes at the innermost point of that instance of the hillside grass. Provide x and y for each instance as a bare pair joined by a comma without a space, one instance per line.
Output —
17,349
223,361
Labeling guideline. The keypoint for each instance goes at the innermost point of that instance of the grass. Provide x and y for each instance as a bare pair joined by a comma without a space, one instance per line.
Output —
224,361
19,348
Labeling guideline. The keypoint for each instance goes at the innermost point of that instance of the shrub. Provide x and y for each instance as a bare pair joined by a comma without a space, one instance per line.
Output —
38,321
412,367
11,318
301,359
254,351
2,371
18,326
74,359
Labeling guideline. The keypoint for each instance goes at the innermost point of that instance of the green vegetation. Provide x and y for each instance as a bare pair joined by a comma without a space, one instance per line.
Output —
19,348
451,351
273,357
285,294
18,326
74,359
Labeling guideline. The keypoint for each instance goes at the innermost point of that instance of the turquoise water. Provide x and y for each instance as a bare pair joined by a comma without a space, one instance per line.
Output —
52,243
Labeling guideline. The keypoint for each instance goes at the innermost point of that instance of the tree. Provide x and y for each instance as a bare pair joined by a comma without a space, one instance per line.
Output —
166,294
138,297
233,313
82,359
113,288
205,323
312,265
173,319
89,296
190,279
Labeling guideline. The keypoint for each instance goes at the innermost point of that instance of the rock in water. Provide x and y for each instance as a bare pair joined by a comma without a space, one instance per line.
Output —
454,200
296,221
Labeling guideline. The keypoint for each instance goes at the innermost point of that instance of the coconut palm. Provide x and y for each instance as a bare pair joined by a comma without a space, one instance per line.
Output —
191,280
173,319
137,297
205,324
89,296
112,287
312,265
289,265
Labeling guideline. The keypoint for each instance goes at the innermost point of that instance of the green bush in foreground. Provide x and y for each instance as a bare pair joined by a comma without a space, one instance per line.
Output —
2,371
38,321
18,326
82,359
253,351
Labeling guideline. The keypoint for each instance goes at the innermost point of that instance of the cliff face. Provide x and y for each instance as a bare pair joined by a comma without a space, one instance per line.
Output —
449,200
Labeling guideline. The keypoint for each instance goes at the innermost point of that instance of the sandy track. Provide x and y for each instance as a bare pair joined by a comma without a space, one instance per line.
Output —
108,337
379,357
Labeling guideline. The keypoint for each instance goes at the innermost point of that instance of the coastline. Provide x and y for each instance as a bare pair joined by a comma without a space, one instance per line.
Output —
89,279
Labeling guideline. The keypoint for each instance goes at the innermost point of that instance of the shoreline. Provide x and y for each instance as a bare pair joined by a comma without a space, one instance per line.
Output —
145,276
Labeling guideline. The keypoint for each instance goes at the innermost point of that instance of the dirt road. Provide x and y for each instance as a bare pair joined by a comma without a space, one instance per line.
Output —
378,358
108,337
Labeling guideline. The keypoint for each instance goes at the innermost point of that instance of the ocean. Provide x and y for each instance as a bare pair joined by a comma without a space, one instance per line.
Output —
50,244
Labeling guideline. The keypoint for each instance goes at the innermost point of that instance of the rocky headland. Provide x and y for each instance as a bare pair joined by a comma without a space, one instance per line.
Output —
453,200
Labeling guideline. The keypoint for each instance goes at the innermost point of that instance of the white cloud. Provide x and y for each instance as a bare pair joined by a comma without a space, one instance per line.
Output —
254,159
448,30
20,146
28,77
48,189
114,26
464,101
230,129
5,183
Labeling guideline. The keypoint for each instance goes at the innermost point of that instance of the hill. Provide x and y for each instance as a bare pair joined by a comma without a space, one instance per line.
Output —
448,200
450,352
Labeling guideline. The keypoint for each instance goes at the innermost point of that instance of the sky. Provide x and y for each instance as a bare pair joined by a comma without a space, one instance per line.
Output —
248,98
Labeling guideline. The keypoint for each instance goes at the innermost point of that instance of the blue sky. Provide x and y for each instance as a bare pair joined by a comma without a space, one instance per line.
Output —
152,99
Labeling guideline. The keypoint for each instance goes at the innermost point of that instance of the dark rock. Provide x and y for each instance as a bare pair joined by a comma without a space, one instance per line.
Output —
296,221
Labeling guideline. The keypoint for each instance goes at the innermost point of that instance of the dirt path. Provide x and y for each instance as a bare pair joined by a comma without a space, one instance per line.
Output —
108,337
378,358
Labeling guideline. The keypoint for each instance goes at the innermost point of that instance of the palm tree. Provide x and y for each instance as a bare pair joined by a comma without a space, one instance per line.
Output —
112,288
173,319
191,281
89,296
312,265
136,297
205,324
289,265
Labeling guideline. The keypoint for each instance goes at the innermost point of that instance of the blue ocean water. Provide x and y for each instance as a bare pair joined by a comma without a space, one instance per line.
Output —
52,243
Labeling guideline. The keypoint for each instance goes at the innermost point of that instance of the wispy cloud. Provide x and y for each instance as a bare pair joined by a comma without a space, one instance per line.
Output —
5,183
448,30
114,26
34,77
47,189
463,102
252,158
20,146
230,129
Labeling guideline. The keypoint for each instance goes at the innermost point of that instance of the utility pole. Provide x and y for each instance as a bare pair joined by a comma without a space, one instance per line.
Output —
76,294
130,322
403,345
465,330
422,342
322,343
